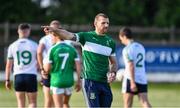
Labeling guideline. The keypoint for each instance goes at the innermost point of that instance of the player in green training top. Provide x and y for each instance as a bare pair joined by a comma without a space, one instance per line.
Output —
98,52
60,64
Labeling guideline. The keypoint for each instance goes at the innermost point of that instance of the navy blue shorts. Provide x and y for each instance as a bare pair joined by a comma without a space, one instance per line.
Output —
46,82
25,83
97,94
141,88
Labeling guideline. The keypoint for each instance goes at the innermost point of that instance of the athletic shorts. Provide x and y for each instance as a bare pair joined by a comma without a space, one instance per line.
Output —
46,82
97,94
141,88
66,91
25,83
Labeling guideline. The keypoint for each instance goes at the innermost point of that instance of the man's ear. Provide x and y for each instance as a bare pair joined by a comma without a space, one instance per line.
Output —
18,31
95,22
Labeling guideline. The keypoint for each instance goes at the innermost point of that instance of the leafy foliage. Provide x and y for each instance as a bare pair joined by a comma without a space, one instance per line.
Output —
121,12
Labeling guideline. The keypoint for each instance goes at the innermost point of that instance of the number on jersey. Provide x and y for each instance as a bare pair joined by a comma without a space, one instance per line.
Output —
24,57
139,61
65,57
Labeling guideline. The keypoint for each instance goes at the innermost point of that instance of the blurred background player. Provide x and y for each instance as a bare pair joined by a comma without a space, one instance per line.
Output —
22,57
98,54
45,44
134,81
60,65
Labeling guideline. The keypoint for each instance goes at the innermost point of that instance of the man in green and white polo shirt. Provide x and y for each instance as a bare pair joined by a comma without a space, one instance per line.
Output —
98,52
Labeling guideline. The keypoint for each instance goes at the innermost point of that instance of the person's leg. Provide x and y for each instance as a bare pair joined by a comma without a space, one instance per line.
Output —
20,88
57,95
32,99
143,98
58,100
105,97
48,102
127,94
20,96
142,94
66,99
91,94
31,90
127,100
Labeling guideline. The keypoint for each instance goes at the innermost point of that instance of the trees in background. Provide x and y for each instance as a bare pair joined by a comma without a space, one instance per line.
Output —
121,12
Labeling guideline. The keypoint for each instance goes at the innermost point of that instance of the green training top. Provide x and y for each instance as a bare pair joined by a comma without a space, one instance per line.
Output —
96,52
62,58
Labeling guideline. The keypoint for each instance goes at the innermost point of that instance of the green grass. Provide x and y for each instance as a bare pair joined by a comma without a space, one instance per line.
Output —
160,95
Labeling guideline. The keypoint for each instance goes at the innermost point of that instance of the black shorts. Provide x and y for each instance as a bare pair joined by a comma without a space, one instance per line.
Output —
25,83
141,88
46,82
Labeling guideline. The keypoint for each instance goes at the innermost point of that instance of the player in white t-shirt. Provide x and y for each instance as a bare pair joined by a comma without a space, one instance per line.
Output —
22,57
134,81
45,44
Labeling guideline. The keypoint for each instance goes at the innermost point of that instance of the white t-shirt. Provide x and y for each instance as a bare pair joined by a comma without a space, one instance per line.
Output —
47,42
135,52
23,52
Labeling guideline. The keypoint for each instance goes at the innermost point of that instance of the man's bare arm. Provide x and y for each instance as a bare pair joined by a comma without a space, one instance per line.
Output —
132,76
9,65
78,71
131,70
8,68
64,34
111,76
113,63
40,55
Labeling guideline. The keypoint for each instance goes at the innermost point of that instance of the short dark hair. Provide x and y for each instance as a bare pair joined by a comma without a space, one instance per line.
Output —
24,26
100,15
55,22
125,31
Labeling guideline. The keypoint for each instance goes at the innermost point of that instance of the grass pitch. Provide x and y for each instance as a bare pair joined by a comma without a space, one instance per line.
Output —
160,95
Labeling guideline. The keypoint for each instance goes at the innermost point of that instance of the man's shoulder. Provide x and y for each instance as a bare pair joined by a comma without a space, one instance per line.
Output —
13,43
85,33
137,44
32,41
46,37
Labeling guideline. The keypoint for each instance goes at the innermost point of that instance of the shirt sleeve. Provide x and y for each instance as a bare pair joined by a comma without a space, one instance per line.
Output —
42,41
80,37
129,54
10,53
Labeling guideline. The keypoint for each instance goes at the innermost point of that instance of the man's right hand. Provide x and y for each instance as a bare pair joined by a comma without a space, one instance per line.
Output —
133,87
78,86
44,74
8,84
47,28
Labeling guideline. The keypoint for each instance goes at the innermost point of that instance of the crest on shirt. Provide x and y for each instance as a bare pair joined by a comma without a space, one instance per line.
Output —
92,95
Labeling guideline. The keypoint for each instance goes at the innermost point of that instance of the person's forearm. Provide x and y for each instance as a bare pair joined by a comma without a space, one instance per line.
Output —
8,70
40,55
47,68
78,69
40,60
131,69
63,34
113,68
7,74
